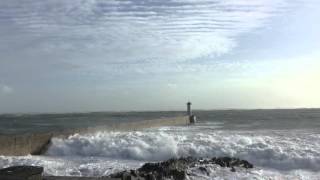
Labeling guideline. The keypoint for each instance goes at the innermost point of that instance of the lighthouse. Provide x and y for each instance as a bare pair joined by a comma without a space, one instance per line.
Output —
192,118
189,109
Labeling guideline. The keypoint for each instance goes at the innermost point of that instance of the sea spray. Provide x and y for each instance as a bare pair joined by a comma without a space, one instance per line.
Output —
132,145
275,154
279,150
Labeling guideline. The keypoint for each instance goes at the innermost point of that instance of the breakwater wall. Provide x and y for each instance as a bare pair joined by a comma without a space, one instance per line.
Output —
37,143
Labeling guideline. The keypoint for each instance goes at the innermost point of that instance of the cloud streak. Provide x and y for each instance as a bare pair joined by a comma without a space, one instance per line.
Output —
130,31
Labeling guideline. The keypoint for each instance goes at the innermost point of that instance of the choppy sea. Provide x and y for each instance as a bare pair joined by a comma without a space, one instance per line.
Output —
281,144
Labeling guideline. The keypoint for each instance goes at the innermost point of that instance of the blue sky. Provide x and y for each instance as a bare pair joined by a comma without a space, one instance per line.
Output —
120,55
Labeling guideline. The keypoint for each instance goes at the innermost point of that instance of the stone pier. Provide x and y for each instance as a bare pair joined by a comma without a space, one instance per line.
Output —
37,143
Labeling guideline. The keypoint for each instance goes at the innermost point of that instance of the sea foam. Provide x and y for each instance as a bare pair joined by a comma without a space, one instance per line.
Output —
281,150
275,154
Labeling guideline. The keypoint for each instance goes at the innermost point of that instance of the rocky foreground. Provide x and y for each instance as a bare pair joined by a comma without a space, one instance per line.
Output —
177,168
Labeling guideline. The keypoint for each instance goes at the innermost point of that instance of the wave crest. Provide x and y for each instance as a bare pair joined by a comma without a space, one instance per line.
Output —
282,150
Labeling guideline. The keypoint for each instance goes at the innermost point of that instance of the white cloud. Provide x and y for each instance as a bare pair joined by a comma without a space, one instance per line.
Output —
5,89
135,31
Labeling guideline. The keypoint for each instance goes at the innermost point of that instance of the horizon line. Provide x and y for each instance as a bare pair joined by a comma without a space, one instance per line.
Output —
177,110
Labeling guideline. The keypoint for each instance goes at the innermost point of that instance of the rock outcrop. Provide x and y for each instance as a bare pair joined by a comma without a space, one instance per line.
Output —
21,173
177,168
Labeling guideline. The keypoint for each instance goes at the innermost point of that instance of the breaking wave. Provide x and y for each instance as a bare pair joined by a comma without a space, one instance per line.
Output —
281,150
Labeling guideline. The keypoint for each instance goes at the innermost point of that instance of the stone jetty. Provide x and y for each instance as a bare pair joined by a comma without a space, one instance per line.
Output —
37,143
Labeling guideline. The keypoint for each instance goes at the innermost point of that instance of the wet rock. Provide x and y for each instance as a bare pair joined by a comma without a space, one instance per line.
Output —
203,169
126,176
177,168
178,174
21,173
134,173
245,164
150,177
231,162
219,162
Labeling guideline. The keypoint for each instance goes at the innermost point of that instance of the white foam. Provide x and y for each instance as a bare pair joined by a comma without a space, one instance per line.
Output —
133,145
279,150
218,173
72,166
275,154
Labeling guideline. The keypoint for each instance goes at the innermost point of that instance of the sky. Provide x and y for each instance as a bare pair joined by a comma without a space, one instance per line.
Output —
137,55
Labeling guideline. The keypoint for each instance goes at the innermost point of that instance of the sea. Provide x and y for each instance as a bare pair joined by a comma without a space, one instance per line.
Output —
282,144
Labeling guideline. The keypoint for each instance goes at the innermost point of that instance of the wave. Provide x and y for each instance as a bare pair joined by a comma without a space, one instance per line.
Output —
281,150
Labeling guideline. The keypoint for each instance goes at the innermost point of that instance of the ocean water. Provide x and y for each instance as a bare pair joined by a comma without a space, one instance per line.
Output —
282,144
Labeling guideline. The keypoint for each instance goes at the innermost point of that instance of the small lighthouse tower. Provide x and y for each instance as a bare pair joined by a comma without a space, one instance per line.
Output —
189,109
192,118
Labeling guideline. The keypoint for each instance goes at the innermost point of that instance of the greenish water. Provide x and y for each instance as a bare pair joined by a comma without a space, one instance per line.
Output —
225,119
30,123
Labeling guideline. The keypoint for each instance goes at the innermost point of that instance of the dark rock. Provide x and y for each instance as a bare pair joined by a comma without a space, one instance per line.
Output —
150,177
118,174
133,173
231,162
203,169
245,164
220,162
126,176
21,173
171,167
177,168
178,174
227,161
